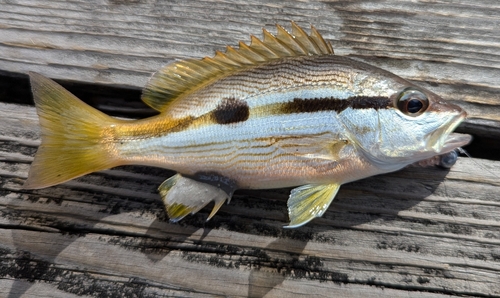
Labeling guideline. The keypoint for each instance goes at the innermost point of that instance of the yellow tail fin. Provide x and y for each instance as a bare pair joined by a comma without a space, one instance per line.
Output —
75,137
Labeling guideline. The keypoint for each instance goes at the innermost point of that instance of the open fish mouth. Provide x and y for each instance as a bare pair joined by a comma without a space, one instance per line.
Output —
455,140
443,140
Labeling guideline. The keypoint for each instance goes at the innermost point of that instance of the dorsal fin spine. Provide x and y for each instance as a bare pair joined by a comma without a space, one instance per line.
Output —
261,47
277,45
285,37
326,47
250,53
304,39
223,59
233,54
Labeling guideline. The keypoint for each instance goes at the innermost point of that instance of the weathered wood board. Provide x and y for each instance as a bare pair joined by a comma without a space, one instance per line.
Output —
421,229
421,232
450,46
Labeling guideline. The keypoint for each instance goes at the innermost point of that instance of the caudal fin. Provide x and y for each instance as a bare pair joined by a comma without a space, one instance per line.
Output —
75,137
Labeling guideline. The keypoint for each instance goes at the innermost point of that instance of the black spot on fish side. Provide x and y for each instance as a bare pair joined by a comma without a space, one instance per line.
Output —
231,110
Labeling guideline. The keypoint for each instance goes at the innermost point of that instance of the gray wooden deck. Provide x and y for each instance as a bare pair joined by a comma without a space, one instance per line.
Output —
419,232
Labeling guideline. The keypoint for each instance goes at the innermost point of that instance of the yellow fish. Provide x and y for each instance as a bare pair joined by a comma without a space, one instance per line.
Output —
283,111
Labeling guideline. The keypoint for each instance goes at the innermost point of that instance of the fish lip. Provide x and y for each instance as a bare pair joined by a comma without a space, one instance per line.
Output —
455,140
443,140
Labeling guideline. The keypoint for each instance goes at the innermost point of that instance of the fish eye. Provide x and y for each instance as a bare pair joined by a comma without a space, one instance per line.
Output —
412,102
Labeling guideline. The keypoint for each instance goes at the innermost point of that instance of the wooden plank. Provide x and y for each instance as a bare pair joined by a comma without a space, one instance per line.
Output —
418,232
451,48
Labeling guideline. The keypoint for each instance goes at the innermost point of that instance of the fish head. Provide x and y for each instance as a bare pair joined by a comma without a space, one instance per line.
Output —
415,124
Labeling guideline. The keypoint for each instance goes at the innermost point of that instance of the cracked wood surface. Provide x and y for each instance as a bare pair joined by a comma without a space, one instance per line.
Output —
417,232
450,47
420,232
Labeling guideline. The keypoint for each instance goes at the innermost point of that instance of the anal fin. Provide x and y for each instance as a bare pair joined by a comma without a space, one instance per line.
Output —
309,201
183,196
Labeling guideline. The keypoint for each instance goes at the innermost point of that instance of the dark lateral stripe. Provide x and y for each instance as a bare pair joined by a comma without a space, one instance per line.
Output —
310,105
232,110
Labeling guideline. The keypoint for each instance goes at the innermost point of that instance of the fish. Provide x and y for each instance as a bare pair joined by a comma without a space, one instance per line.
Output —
281,111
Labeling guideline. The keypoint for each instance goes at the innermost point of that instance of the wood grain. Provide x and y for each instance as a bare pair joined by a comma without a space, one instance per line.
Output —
450,47
421,229
420,232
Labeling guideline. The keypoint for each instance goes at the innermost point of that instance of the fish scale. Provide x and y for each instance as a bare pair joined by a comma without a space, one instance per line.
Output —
280,112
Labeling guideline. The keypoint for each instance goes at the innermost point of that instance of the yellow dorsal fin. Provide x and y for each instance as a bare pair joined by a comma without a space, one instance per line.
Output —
183,77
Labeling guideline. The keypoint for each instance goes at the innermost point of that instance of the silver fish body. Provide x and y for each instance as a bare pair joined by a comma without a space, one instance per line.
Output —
278,113
296,128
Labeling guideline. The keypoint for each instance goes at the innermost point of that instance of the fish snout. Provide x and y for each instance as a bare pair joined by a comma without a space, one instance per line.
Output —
445,107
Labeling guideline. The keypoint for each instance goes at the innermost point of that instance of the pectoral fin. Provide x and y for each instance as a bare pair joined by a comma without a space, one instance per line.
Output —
309,201
183,196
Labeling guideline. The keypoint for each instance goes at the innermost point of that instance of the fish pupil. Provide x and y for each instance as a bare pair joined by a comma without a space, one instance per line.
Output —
414,106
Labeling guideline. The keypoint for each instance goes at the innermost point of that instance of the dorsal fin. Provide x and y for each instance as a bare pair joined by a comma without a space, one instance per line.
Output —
185,76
